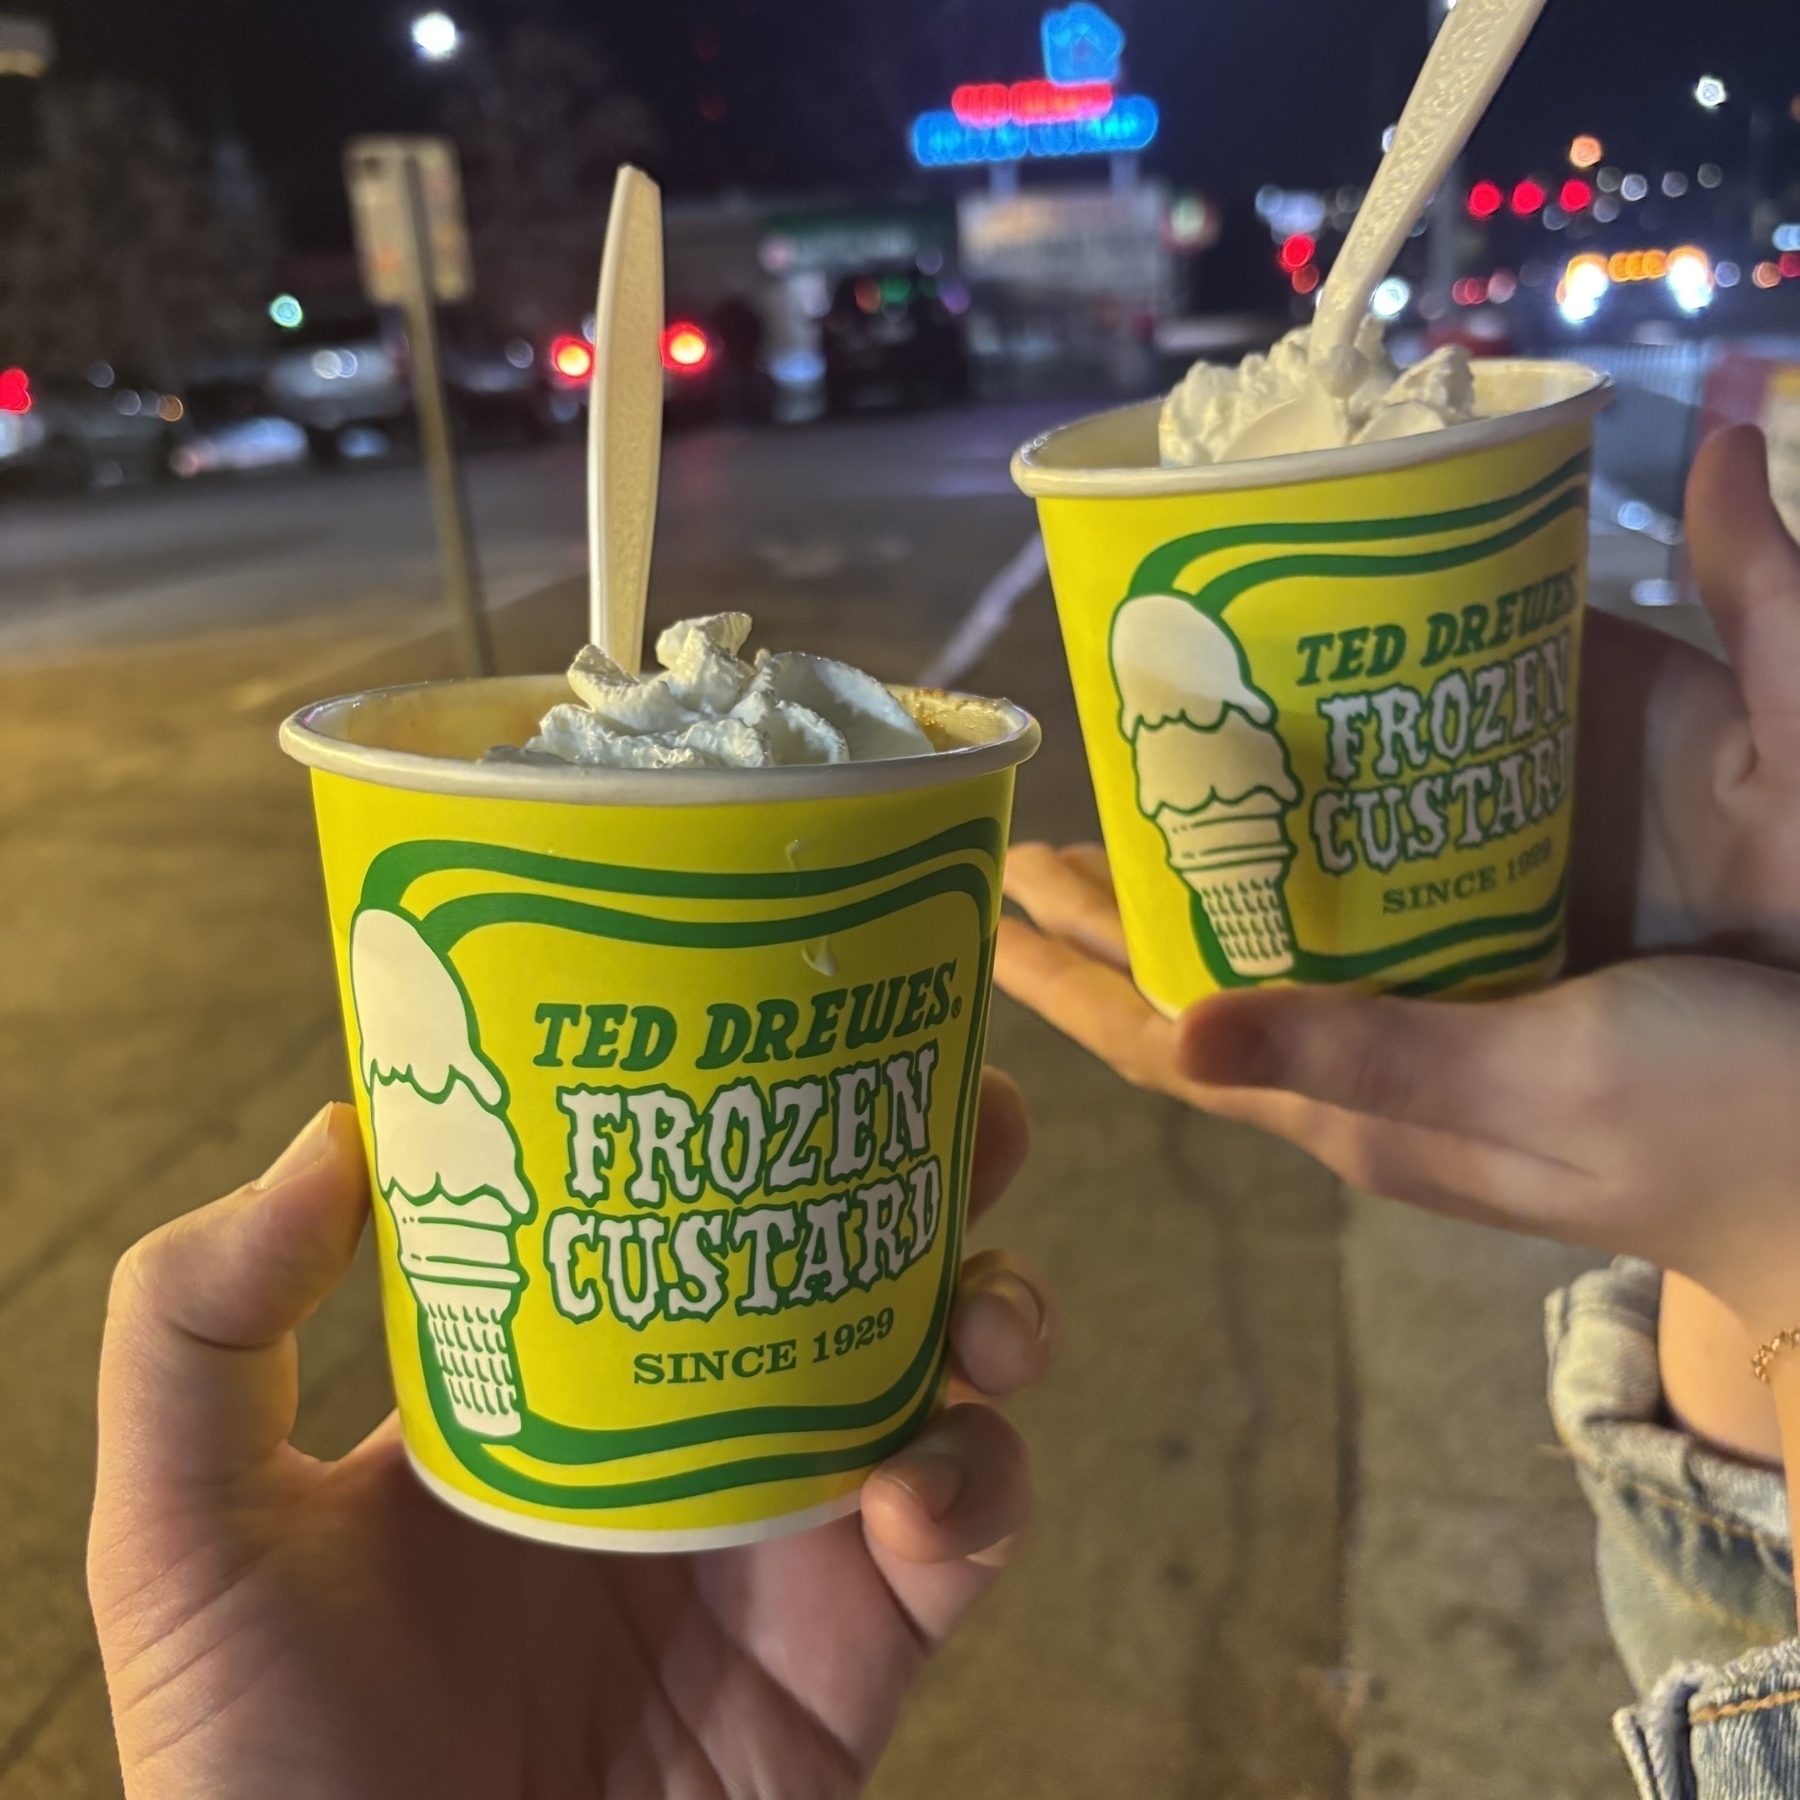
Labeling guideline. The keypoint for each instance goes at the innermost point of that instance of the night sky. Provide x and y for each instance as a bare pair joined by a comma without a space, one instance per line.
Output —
814,95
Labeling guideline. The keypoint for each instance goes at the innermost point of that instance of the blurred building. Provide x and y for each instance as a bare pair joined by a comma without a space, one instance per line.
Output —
27,49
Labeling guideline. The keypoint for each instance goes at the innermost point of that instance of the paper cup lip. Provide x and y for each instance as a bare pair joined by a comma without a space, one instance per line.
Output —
1103,456
316,736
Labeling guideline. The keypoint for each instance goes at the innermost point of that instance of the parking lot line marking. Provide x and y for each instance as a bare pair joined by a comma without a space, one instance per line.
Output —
987,618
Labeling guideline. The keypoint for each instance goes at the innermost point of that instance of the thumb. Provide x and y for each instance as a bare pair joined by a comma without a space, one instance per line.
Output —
198,1370
1748,568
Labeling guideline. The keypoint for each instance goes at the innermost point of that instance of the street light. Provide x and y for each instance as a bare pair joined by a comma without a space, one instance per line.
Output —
1709,90
435,36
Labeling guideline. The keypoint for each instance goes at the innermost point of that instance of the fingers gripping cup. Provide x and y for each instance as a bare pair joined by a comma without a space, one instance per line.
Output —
667,1077
1328,698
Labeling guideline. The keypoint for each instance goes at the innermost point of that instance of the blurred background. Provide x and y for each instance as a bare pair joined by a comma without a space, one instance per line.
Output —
1304,1531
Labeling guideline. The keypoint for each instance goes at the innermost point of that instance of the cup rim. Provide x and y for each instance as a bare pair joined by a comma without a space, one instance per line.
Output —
1587,391
306,737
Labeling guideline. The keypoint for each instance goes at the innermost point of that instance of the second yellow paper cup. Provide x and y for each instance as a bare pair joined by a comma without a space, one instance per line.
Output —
1329,700
668,1083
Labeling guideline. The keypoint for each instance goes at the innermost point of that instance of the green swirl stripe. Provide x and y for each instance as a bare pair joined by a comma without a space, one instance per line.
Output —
1222,590
447,925
395,869
1314,966
689,1484
1157,573
1495,963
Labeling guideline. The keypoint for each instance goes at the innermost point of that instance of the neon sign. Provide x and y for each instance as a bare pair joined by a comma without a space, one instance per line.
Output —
985,104
1073,109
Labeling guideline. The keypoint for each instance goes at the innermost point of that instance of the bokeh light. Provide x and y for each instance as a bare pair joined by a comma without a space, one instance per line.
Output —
685,347
1689,278
1582,288
1297,251
435,36
1390,297
572,358
1485,199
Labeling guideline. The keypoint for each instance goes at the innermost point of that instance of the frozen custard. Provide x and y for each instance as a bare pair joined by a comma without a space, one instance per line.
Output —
708,709
1206,416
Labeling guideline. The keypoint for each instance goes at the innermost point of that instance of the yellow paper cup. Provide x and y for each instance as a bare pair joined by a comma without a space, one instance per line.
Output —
668,1086
1329,699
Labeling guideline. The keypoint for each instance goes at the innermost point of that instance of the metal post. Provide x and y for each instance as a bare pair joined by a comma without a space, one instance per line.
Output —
449,505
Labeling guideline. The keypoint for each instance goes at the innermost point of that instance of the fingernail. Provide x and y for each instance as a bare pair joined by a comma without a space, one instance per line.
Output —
307,1151
1230,1047
1018,1297
933,1479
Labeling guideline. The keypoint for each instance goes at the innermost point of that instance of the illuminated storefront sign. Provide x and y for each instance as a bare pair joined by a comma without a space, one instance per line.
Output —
1074,109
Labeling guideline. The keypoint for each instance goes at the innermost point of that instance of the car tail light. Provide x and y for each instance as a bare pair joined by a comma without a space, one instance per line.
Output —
686,349
15,391
571,359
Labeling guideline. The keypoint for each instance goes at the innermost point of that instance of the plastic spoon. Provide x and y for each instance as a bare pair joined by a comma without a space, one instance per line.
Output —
625,405
1475,47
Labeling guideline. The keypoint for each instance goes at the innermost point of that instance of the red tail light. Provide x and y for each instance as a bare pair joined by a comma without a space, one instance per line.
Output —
572,359
15,391
686,349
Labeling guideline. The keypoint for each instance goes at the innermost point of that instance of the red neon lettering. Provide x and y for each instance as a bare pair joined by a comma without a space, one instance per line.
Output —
986,104
983,104
1042,102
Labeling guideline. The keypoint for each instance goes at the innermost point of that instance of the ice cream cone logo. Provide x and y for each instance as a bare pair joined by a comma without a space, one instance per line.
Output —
447,1164
1212,772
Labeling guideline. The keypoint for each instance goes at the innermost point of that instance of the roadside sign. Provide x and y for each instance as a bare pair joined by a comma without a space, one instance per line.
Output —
406,200
379,172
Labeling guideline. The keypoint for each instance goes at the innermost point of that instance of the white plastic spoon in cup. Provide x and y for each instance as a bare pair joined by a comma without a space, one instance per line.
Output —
625,404
1475,47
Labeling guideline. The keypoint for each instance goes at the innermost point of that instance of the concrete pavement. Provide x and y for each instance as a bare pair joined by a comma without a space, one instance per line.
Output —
1301,1529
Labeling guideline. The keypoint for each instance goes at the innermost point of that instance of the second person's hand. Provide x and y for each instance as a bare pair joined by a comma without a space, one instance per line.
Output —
1688,825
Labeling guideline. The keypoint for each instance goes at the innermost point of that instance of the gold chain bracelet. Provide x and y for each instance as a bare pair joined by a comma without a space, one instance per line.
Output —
1761,1361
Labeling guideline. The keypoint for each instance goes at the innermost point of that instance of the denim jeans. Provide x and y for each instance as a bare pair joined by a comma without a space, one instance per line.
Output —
1694,1556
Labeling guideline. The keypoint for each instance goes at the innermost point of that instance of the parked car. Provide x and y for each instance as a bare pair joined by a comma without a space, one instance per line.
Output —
889,338
69,432
495,383
342,378
229,428
711,367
